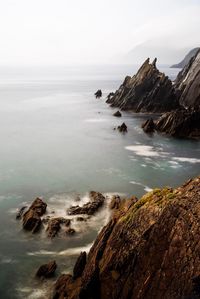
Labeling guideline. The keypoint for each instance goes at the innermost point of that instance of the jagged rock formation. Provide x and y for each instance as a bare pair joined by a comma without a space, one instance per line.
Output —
147,91
180,123
149,249
32,218
187,58
188,83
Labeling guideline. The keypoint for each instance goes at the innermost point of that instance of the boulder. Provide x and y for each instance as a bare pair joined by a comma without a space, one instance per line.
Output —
79,265
47,270
96,201
147,91
98,93
32,218
122,128
148,126
117,114
54,225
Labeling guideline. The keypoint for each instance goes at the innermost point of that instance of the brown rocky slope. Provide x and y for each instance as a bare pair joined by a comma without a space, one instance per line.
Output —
149,249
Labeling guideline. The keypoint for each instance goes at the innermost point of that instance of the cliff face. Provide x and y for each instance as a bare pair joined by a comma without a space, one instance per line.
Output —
187,59
149,249
188,83
184,123
147,91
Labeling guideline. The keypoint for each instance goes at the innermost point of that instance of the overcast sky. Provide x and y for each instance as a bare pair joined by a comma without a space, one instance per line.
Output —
90,31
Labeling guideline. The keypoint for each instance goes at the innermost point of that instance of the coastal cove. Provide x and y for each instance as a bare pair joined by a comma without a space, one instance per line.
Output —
58,142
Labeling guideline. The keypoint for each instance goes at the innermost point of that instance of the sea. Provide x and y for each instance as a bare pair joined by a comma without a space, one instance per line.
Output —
58,142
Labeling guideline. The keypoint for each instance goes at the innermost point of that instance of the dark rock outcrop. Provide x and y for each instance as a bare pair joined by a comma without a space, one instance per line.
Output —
115,202
98,93
187,59
184,123
47,270
187,83
149,249
122,128
117,114
32,218
70,231
21,212
148,126
54,225
96,201
147,91
80,265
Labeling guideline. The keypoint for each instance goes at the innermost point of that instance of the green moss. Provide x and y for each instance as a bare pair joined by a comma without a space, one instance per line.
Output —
157,197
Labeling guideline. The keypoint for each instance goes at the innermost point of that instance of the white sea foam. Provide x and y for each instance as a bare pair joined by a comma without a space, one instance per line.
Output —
145,151
146,188
95,120
189,160
67,252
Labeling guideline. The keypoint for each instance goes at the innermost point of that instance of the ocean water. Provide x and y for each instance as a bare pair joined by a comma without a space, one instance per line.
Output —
57,142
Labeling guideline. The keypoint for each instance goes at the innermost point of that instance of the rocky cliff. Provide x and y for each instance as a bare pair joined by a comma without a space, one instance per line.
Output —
149,249
186,59
188,83
147,91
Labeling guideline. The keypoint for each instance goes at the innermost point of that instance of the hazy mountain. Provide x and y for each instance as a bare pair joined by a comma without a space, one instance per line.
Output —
186,60
164,54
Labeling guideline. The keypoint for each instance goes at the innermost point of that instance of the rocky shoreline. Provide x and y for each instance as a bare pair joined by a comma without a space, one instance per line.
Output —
150,91
149,249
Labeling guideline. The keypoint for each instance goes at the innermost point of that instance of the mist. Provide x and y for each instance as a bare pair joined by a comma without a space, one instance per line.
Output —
94,32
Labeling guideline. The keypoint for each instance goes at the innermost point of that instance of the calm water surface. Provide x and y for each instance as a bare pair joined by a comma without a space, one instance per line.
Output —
57,141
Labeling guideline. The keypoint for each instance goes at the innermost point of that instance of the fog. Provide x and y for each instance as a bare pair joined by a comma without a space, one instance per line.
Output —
61,32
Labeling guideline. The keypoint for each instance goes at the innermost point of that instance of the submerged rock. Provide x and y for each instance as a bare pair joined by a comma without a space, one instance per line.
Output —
148,126
147,91
32,218
96,201
98,93
47,270
149,249
117,114
122,128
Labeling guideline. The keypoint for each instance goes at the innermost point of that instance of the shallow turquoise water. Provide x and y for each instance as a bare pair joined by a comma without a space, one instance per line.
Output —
58,141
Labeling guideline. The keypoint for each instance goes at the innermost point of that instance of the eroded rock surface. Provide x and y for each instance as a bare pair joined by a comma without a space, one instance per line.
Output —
149,249
32,218
147,91
187,83
182,123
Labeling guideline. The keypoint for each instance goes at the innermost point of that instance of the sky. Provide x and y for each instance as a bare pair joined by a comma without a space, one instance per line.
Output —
58,32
